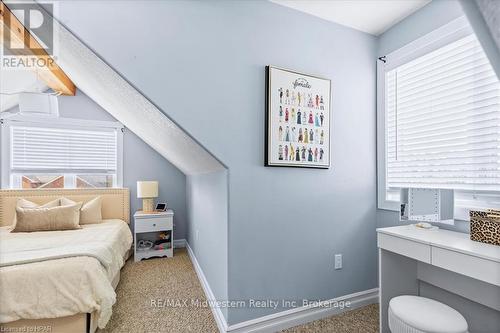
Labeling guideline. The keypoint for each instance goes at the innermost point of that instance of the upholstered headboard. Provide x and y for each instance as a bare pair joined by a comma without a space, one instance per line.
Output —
115,201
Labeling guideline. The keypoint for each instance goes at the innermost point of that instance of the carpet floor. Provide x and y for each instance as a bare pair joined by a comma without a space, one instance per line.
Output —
361,320
151,293
145,288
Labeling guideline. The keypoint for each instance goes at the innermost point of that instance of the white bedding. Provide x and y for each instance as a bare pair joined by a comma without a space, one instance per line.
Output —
54,274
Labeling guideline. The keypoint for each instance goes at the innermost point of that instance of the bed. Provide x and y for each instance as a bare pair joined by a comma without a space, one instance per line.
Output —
62,281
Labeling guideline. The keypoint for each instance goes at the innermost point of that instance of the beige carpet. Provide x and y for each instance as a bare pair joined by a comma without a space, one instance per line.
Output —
362,320
144,284
159,279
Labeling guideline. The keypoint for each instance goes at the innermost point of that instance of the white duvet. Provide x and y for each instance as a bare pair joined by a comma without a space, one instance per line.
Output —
54,274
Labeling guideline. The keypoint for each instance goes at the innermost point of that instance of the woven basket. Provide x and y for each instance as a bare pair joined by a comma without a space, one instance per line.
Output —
485,226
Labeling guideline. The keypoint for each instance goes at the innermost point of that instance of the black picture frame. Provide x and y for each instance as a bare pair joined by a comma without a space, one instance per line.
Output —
269,123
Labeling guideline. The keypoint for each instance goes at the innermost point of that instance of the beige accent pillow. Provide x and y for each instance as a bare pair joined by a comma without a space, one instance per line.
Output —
48,219
23,203
90,212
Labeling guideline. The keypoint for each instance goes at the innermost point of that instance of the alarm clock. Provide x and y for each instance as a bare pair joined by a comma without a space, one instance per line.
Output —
161,207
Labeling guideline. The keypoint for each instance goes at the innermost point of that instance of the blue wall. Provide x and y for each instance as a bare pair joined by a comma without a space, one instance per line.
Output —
202,62
207,202
430,17
135,153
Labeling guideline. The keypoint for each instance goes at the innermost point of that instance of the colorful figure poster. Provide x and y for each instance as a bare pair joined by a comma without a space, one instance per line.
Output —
298,119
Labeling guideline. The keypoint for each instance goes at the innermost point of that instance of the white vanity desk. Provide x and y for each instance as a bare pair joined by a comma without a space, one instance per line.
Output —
445,259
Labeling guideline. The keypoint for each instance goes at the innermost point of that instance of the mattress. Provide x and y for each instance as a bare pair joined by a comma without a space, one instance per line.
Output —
55,274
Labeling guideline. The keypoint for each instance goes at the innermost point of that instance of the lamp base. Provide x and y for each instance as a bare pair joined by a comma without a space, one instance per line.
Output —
148,205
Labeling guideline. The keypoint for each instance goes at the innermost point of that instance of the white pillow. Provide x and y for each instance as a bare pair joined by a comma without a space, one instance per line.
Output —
90,213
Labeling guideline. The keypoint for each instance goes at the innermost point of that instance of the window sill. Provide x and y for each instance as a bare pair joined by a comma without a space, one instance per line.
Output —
394,206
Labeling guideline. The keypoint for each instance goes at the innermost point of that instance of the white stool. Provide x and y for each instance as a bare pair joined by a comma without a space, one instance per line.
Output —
415,314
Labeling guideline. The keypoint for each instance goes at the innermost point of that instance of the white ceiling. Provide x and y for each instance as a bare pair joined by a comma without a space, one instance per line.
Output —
371,16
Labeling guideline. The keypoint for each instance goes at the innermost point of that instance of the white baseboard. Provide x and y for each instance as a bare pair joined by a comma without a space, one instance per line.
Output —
284,319
305,314
216,311
179,243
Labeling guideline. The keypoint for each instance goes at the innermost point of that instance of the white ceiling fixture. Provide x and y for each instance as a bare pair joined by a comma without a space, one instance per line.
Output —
15,81
371,16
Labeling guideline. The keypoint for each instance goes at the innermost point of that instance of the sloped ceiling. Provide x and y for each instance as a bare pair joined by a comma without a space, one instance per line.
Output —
491,13
118,97
483,16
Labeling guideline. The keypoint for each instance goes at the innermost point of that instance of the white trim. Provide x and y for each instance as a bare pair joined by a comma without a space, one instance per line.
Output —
5,158
61,122
477,200
179,243
216,311
382,202
284,319
119,156
305,314
448,33
70,123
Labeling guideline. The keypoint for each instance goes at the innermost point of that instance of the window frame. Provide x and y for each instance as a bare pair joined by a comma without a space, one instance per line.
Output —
453,31
479,201
66,123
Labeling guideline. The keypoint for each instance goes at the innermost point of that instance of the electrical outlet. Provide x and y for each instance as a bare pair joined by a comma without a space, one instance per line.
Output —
338,261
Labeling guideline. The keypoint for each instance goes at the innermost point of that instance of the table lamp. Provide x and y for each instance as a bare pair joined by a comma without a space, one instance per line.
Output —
147,191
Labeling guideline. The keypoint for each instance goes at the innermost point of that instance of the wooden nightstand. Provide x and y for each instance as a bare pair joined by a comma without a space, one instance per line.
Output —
150,227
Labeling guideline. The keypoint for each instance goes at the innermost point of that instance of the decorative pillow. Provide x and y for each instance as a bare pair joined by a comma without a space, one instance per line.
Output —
90,212
23,203
48,219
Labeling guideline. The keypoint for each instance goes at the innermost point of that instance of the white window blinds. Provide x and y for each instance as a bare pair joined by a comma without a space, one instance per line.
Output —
59,149
443,120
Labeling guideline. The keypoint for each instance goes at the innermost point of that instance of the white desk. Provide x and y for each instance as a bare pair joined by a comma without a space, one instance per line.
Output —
445,259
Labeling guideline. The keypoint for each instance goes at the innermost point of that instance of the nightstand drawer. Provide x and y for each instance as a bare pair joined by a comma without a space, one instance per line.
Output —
153,224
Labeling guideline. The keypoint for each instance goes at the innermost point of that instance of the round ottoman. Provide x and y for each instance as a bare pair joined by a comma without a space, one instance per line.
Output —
415,314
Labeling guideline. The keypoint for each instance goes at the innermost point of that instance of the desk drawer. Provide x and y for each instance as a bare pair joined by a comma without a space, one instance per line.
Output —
405,247
153,224
472,266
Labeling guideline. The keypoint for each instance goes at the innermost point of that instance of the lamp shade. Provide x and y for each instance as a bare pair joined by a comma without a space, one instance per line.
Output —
147,189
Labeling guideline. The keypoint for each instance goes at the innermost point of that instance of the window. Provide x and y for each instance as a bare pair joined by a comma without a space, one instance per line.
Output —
441,119
60,153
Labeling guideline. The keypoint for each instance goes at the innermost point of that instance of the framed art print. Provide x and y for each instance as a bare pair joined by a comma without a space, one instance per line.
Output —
297,119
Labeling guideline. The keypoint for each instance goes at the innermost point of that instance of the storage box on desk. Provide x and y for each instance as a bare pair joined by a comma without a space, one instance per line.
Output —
485,226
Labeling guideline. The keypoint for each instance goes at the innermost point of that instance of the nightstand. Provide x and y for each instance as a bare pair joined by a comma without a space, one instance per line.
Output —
155,228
